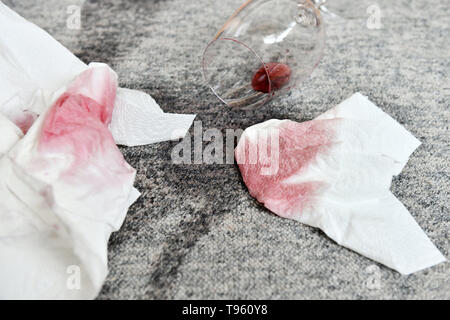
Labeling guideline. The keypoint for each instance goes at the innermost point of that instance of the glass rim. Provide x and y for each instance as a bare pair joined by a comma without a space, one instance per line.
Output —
267,95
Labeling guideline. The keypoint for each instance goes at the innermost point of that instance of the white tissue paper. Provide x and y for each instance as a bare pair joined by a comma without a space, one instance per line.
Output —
133,125
34,66
334,173
64,185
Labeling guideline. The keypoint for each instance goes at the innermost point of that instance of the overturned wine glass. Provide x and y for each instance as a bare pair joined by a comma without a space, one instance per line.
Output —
266,48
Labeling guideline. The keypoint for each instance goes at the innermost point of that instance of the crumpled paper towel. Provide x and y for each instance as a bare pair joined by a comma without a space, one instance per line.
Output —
64,188
34,66
64,185
334,173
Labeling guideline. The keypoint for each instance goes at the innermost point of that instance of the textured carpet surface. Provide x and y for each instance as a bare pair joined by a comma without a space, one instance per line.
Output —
196,232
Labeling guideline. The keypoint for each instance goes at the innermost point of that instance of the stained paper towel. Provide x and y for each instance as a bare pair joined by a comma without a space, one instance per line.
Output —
34,66
64,186
335,173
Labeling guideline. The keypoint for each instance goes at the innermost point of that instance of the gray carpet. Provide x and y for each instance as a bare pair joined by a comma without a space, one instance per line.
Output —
196,232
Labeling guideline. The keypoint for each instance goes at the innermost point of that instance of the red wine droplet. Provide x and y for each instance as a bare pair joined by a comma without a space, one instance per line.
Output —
279,75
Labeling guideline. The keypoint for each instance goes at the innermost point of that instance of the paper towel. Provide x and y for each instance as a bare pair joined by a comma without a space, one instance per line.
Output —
335,173
56,221
34,66
64,188
133,125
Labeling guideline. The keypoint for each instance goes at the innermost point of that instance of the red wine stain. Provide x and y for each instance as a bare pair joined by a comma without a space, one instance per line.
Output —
299,145
77,123
26,120
279,74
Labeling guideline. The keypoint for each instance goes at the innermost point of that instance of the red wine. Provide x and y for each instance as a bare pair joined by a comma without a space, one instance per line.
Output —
279,75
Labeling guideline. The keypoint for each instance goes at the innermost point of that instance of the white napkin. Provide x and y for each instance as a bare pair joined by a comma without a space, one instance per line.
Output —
335,173
64,188
56,222
33,66
132,125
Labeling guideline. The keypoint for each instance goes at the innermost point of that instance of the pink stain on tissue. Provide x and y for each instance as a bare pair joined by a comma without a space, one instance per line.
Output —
77,123
26,120
299,145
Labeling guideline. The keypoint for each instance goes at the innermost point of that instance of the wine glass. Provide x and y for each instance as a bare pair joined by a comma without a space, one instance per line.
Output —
266,48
